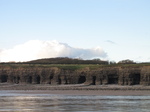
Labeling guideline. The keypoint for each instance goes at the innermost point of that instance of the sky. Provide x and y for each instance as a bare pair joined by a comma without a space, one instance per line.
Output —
111,30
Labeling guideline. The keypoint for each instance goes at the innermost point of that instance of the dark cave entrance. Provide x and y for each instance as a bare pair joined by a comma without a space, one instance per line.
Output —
16,80
136,79
30,79
65,80
59,80
94,80
113,79
38,79
4,78
50,78
81,79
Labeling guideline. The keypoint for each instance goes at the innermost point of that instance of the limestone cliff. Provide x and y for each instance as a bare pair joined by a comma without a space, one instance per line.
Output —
121,75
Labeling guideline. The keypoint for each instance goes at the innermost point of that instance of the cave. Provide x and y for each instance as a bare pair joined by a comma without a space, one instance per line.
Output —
94,80
136,79
59,80
16,79
38,79
4,78
30,79
66,80
81,79
112,79
50,78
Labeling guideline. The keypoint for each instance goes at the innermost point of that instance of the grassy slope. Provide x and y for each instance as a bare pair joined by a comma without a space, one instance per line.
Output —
69,66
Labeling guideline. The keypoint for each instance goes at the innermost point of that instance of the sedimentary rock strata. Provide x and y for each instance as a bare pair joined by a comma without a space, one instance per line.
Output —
54,75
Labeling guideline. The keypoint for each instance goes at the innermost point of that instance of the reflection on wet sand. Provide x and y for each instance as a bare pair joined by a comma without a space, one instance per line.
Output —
72,103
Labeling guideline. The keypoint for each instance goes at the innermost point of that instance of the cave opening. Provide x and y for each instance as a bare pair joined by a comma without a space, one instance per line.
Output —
94,80
38,79
59,80
17,79
137,78
66,80
81,79
30,79
50,78
4,78
113,79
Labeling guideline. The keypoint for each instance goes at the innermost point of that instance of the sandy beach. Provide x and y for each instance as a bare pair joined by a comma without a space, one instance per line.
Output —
85,92
78,89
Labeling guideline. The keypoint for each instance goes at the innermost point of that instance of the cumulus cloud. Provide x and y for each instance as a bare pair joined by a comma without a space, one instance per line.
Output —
36,49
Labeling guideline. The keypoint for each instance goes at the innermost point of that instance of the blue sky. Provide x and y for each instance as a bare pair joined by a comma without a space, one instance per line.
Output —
121,28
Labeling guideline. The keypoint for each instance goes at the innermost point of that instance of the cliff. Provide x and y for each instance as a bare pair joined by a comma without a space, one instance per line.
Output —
74,74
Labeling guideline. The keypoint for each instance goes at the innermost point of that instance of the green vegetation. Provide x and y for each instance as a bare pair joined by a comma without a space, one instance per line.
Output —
65,60
61,66
71,64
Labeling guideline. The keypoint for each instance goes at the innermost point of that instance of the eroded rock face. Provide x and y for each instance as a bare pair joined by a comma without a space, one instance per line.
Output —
99,76
145,75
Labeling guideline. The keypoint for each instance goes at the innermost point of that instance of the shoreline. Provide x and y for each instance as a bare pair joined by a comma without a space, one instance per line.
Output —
9,86
84,92
77,89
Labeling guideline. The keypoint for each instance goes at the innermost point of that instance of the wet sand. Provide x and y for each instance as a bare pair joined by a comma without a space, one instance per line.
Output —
86,92
78,89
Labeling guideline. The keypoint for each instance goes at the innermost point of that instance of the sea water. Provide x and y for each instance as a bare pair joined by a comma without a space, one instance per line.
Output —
17,102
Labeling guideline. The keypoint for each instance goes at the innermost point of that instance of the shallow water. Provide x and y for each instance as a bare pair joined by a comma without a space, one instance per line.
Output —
14,102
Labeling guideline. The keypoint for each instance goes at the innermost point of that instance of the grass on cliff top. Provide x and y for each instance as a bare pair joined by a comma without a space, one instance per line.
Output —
69,66
79,66
61,66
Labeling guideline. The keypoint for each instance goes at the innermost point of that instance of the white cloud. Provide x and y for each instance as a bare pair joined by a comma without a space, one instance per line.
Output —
36,49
